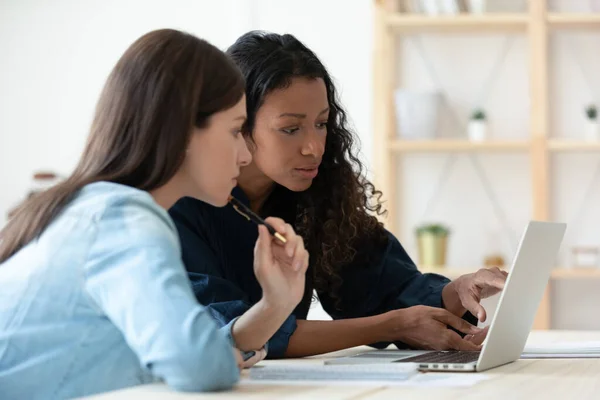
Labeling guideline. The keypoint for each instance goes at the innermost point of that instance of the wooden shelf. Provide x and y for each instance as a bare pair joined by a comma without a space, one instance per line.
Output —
557,273
535,24
489,22
573,145
574,21
461,22
575,273
453,145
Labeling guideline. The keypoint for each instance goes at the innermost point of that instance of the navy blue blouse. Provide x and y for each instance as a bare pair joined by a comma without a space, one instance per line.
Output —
218,252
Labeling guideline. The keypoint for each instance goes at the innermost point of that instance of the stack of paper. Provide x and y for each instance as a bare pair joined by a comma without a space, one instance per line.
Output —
563,350
404,374
320,372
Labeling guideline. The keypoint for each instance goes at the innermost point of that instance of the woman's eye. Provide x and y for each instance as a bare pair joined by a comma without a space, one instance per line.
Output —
236,132
289,131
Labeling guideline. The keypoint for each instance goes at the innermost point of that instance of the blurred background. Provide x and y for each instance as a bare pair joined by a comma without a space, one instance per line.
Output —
474,116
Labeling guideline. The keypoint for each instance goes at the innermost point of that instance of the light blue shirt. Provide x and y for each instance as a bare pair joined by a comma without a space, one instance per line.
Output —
101,301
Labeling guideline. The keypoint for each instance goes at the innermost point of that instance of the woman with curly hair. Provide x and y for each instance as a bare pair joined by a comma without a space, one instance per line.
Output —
305,171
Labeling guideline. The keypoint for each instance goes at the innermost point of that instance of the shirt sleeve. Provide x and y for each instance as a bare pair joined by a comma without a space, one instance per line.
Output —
135,276
223,298
388,282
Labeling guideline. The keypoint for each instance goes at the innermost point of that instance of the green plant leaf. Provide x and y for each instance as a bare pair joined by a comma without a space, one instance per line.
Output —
591,111
433,229
478,114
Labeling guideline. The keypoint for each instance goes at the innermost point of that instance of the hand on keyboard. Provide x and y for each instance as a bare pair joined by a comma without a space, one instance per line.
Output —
478,338
426,328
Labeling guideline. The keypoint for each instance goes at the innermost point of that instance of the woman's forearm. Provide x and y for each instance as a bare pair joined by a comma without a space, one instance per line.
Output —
318,337
257,325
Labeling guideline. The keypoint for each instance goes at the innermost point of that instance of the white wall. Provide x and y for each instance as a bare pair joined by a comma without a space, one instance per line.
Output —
55,58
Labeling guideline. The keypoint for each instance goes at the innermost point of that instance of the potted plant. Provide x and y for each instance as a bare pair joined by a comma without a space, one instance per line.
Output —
432,241
477,129
592,132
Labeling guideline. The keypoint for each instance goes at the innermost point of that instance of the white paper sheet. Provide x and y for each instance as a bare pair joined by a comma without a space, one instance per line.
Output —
317,371
358,375
589,349
529,356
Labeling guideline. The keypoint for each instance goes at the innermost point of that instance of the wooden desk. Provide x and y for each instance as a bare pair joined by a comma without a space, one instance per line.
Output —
524,379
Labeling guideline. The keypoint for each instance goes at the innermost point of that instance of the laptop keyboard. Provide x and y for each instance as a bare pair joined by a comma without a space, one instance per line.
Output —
444,357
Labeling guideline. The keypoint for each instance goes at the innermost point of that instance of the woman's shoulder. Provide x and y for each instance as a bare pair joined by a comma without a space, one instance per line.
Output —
123,210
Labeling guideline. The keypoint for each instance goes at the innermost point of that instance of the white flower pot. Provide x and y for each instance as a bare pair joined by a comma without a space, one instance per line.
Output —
592,130
430,7
417,114
477,6
448,7
506,6
477,130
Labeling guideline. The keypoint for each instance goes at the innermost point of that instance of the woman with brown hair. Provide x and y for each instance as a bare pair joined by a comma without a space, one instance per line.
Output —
94,294
305,170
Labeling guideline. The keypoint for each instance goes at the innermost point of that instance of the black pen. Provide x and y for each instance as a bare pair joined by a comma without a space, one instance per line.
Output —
251,216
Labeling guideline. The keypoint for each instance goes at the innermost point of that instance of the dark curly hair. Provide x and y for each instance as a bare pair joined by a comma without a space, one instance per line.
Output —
335,215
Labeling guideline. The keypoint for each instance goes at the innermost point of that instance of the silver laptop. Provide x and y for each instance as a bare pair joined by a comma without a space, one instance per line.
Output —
516,310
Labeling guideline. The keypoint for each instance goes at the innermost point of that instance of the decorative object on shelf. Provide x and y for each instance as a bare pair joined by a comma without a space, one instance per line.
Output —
417,113
585,257
410,6
492,247
43,180
477,6
506,6
463,6
430,7
432,242
477,129
592,131
494,260
449,7
40,181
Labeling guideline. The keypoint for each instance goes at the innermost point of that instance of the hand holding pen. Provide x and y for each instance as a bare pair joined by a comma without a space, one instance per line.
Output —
280,259
242,209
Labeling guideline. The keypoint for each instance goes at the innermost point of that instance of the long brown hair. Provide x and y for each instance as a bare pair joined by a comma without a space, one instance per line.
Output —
165,83
335,215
